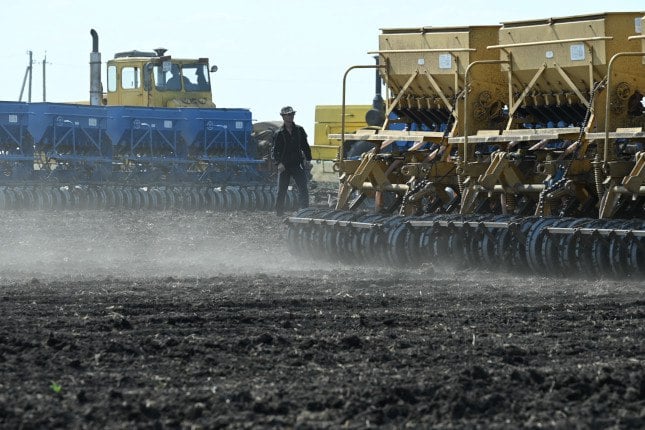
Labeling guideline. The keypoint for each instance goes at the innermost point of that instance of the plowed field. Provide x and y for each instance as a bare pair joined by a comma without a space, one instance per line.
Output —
203,320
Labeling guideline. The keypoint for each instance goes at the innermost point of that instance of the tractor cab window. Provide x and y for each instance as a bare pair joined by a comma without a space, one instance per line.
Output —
197,75
189,77
111,79
130,78
167,77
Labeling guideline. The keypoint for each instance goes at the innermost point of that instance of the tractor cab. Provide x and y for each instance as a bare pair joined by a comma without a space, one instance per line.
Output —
152,79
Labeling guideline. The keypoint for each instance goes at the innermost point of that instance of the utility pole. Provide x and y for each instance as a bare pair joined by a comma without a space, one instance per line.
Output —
44,80
31,64
24,80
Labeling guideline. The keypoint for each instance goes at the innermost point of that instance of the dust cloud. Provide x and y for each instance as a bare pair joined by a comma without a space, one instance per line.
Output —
86,245
94,244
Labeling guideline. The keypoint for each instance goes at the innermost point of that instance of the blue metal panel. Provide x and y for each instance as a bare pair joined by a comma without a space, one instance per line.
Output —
117,123
149,133
219,133
220,144
99,144
151,146
16,147
70,141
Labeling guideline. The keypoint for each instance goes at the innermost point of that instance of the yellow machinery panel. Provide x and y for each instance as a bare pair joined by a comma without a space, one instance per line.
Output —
441,51
328,121
570,42
426,70
556,61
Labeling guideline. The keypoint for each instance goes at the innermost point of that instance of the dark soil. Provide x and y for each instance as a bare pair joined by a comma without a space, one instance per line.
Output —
203,320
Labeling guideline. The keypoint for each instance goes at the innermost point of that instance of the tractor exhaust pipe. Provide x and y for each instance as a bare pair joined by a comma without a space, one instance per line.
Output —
96,91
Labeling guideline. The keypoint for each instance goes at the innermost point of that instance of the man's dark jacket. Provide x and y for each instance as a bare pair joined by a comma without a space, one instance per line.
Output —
290,149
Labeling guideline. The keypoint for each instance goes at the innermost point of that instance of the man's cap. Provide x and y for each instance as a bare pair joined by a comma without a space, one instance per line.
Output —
287,110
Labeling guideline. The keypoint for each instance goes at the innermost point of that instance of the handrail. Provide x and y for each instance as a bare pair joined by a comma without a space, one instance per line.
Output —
607,101
342,119
394,51
549,42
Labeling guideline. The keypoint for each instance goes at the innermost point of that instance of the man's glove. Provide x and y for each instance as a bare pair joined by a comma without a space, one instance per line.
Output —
280,168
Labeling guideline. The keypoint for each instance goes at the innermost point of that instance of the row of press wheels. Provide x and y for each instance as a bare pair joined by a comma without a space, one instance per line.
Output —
506,243
144,198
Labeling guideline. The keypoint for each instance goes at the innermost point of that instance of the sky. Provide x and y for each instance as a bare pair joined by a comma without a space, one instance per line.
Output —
269,53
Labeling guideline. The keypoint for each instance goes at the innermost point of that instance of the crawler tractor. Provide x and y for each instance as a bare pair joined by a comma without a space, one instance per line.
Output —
525,152
153,140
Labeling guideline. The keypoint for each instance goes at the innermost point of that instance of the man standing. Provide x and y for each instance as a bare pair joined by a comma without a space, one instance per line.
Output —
292,154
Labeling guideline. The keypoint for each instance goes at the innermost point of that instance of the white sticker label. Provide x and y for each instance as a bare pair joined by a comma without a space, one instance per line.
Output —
239,125
13,118
549,54
167,124
445,61
577,52
92,122
421,61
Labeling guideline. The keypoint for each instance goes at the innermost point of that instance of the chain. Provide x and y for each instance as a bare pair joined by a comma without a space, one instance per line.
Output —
418,186
560,182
